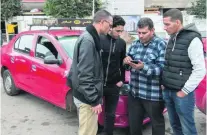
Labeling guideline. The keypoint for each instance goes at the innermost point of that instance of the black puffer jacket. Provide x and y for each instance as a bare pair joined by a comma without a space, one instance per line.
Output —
178,65
113,53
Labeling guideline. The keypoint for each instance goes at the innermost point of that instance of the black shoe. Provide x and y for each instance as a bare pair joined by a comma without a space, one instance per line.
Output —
100,129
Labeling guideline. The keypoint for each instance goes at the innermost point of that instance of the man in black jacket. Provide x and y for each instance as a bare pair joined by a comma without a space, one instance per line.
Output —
113,53
86,74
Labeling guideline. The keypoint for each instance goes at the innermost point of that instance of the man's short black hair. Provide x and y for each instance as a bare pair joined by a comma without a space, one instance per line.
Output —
145,22
118,20
175,14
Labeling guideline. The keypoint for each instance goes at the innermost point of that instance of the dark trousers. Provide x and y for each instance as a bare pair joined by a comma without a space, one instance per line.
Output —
138,107
111,94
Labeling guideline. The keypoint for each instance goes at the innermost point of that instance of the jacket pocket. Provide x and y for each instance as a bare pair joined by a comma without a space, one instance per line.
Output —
99,87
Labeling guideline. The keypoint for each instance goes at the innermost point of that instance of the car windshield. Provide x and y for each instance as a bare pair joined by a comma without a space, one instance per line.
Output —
68,43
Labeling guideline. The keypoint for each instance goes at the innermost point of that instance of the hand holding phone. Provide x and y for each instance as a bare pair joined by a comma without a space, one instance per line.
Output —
137,64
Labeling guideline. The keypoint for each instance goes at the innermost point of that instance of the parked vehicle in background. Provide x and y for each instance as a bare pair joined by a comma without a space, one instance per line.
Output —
38,62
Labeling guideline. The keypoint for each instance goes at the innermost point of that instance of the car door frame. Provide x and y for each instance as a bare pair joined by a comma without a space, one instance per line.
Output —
18,57
61,100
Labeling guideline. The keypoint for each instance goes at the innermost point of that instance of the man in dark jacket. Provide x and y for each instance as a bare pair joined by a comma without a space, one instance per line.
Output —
86,74
113,53
184,68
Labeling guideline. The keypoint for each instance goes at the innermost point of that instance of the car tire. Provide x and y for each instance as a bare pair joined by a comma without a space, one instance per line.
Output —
9,85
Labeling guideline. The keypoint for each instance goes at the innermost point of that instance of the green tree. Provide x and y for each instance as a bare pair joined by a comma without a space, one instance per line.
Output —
10,8
70,8
198,8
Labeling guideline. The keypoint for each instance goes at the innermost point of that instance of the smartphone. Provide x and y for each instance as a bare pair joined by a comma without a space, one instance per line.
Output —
135,61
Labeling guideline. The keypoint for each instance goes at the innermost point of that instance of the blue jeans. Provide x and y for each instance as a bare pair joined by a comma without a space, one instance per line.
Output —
181,112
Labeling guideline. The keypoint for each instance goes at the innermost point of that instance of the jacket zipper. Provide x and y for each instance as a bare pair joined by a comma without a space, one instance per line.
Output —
119,72
174,42
114,47
107,69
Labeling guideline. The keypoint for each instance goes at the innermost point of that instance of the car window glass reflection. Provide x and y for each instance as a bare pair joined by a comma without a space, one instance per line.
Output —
45,48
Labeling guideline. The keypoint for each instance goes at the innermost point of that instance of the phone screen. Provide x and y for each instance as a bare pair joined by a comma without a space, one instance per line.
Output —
135,61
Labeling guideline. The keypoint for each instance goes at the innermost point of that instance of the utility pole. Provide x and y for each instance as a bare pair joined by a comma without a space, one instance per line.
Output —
93,8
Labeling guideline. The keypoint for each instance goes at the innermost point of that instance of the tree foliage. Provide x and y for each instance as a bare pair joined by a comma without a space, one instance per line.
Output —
70,8
10,8
198,8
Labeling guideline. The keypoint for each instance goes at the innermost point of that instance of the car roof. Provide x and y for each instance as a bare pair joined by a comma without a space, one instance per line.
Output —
55,32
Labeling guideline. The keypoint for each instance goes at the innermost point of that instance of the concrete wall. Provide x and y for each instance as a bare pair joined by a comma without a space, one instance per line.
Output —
169,3
187,19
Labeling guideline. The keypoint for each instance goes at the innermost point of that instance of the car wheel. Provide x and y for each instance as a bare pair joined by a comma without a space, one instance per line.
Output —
8,84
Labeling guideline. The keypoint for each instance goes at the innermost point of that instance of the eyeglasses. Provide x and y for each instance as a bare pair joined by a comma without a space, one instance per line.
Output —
110,25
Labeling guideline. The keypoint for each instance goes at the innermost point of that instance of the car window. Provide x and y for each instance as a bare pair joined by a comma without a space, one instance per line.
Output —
24,44
68,44
16,45
44,48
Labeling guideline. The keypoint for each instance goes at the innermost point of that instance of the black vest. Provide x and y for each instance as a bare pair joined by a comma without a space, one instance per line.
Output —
178,66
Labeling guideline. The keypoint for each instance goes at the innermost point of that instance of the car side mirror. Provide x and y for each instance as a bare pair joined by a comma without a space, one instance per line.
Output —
50,59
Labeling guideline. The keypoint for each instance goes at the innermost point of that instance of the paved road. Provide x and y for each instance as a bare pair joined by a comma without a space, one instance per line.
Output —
27,115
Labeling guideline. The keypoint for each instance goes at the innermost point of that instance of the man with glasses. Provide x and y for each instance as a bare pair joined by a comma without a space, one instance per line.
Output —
145,95
110,25
113,53
86,74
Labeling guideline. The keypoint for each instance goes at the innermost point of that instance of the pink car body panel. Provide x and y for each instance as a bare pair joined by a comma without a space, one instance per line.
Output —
200,92
121,115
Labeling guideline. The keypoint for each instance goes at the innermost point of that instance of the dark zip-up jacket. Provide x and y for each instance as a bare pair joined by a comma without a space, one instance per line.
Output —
113,51
86,73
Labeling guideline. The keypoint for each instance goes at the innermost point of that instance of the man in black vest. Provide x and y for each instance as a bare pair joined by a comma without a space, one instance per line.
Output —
184,69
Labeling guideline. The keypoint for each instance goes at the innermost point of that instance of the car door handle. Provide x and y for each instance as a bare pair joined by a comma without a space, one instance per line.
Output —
12,59
34,68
